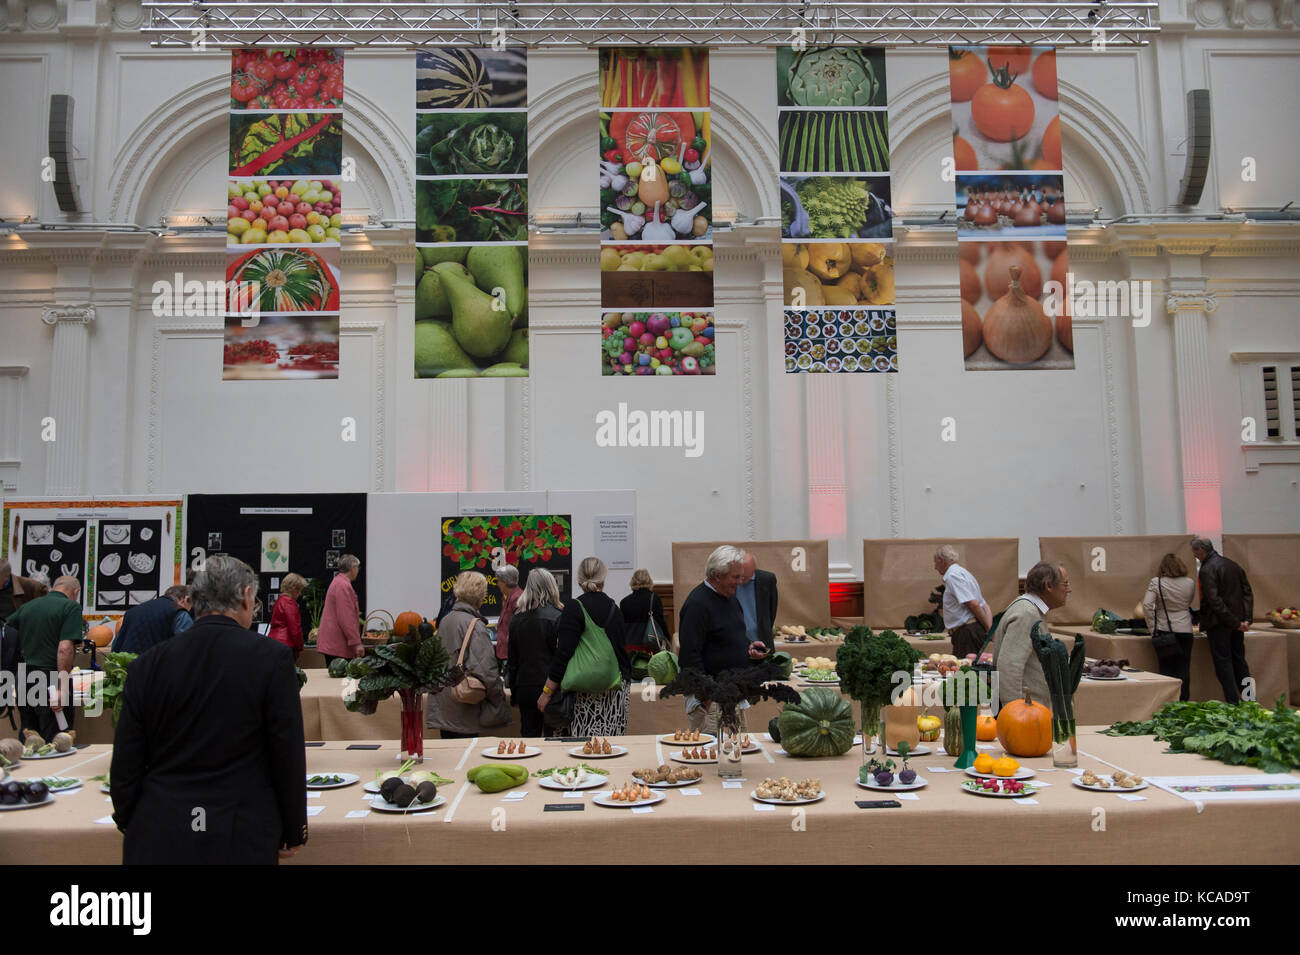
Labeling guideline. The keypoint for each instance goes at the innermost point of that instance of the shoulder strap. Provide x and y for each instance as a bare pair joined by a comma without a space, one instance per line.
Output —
464,643
1161,590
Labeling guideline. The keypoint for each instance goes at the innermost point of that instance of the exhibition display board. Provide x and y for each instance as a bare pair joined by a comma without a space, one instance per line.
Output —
1272,565
801,568
123,551
1111,572
898,574
1162,828
1266,655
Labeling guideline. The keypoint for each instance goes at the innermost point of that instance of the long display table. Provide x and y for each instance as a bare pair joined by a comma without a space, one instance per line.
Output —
1065,825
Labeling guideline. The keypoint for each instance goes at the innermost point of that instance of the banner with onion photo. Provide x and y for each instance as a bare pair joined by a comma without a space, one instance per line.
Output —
1010,208
471,213
836,216
284,214
656,212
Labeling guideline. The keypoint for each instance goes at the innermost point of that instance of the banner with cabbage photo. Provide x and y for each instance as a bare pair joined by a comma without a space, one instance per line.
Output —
471,213
284,214
656,212
836,216
1010,208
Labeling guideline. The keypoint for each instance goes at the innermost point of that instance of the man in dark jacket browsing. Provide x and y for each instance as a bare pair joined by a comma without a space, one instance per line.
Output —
712,631
758,599
1226,607
152,622
208,760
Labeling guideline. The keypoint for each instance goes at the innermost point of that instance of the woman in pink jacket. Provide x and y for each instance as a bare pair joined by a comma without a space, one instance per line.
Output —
340,622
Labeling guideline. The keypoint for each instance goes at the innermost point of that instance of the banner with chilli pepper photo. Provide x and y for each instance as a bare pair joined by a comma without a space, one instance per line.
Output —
471,213
1010,208
837,230
524,541
284,214
656,212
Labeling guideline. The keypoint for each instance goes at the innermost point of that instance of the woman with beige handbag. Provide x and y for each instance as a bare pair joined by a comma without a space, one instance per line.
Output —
478,703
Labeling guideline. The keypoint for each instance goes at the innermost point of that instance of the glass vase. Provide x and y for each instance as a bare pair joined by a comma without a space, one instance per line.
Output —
730,748
1065,751
871,728
412,725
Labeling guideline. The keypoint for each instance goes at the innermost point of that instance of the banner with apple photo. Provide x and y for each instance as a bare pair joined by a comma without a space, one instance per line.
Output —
1011,239
471,213
284,214
524,541
656,212
837,227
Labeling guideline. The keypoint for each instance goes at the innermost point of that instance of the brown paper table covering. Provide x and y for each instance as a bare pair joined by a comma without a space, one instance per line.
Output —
1130,563
1272,565
1292,660
1266,655
473,826
898,574
803,595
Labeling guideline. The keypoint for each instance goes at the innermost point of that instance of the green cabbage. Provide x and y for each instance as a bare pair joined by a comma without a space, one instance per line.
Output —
662,667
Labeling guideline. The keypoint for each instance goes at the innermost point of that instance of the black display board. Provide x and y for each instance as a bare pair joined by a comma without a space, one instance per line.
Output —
320,528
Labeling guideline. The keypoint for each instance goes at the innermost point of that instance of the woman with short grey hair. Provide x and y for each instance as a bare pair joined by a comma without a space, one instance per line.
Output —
466,628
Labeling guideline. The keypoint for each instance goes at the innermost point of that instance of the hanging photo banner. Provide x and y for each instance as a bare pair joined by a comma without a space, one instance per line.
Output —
836,218
284,213
471,213
656,212
1010,208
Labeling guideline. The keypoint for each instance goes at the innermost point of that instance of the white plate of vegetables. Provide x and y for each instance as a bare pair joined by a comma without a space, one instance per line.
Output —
331,780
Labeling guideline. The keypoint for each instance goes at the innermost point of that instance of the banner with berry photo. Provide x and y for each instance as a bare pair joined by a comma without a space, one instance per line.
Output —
471,213
836,216
1010,208
284,214
524,541
656,212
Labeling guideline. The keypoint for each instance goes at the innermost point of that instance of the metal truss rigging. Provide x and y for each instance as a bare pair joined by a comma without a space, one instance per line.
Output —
199,24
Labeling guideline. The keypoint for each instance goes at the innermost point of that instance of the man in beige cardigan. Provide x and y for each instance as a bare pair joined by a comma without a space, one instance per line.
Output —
1046,588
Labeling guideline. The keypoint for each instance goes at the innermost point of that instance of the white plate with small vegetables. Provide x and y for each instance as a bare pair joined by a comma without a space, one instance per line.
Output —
613,752
678,757
492,753
1023,772
59,784
895,786
572,779
778,801
380,804
607,799
331,780
53,754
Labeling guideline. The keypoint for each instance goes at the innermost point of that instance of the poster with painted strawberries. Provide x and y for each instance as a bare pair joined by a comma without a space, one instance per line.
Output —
525,541
1010,195
284,214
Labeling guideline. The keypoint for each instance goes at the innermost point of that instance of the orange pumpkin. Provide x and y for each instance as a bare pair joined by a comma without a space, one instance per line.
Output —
986,728
101,635
1024,728
405,621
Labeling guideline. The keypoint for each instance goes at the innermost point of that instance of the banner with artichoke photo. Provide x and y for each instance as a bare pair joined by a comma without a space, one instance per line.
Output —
1010,208
836,215
284,214
524,541
656,212
471,213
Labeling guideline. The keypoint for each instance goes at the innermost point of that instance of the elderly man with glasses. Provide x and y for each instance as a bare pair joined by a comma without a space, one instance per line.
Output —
1047,586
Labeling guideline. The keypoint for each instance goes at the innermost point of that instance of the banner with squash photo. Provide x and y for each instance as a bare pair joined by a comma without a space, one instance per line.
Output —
524,541
471,213
656,212
836,215
284,214
1010,208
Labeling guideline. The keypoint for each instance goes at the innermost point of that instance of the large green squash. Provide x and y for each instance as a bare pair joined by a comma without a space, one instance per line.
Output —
338,667
820,724
952,731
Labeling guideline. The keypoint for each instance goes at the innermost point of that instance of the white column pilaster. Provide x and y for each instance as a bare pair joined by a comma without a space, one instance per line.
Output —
1200,469
69,367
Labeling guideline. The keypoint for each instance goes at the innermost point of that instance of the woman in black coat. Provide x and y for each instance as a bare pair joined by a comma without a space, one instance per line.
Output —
594,714
533,630
637,609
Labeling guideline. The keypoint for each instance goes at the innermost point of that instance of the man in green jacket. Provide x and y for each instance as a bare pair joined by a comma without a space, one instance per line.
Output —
49,629
1047,587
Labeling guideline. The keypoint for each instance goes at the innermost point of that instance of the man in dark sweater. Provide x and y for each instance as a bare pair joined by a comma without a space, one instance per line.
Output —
1227,606
712,631
154,621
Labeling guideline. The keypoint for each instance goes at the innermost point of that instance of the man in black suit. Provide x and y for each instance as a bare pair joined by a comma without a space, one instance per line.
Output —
757,596
208,759
1227,605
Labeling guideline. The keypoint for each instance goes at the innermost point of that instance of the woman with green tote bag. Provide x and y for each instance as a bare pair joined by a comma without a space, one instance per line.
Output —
589,632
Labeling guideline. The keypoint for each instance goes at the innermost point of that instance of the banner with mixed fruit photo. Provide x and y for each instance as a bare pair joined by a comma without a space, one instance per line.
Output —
471,213
1010,208
836,218
284,214
656,212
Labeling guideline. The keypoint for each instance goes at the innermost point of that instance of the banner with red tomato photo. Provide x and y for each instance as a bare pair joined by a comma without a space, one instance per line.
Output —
1010,208
656,212
524,541
284,214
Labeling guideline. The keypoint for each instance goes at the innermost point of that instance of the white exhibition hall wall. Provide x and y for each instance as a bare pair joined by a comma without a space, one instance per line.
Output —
1143,432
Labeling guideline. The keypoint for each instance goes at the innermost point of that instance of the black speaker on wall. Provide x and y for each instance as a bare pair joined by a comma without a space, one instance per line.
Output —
1192,184
65,185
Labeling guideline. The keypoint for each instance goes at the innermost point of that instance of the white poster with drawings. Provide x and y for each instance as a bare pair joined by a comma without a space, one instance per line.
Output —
275,552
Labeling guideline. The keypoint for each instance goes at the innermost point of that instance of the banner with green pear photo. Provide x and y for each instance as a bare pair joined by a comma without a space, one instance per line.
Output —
471,213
